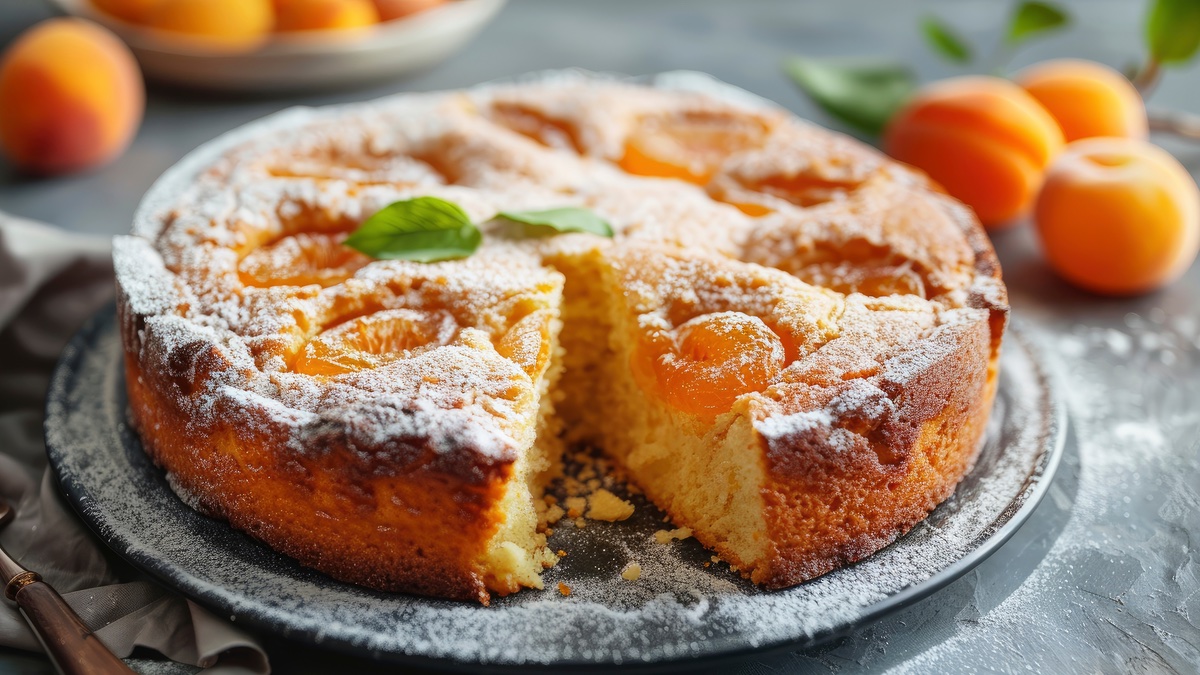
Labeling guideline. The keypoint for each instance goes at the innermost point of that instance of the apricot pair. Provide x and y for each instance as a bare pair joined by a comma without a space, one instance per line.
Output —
988,141
1116,214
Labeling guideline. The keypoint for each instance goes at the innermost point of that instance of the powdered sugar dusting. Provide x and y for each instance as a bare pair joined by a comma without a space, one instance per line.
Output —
323,171
296,182
1118,585
677,608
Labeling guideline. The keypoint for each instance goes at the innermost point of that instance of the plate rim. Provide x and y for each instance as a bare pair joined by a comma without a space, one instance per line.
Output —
1030,495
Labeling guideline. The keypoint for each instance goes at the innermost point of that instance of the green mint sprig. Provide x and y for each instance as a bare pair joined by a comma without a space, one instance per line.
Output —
429,229
563,219
422,229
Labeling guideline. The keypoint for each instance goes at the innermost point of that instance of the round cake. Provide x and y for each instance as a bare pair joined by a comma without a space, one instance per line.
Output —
789,342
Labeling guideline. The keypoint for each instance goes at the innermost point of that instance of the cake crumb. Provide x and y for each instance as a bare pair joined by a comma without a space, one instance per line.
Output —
550,500
631,572
564,589
715,559
562,553
554,514
573,487
549,532
576,506
708,564
580,522
604,505
665,536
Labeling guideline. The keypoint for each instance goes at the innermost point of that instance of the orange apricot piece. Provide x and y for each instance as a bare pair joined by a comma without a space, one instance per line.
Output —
390,10
527,343
1086,98
690,146
534,124
752,209
134,11
224,25
302,259
984,139
71,97
1118,216
715,359
374,340
305,15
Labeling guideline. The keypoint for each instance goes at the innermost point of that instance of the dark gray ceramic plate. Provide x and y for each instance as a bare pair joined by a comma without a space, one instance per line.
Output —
678,611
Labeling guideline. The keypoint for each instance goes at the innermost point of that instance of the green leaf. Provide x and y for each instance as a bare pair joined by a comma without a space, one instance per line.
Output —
424,229
565,219
945,41
864,94
1173,30
1032,18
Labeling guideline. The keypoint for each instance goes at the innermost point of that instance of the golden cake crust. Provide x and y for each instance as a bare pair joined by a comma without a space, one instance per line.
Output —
394,476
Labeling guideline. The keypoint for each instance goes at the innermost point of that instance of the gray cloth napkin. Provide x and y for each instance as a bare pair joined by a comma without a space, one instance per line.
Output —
50,282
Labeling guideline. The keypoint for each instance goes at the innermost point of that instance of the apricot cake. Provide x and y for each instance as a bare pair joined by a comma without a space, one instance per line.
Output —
789,342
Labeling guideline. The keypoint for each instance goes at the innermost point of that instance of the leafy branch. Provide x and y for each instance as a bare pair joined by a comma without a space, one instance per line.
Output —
864,94
1175,122
1172,39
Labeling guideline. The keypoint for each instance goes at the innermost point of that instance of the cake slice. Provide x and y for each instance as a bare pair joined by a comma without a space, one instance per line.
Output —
400,443
793,429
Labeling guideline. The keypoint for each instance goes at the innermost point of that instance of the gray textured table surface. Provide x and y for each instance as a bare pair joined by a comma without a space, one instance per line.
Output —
1105,577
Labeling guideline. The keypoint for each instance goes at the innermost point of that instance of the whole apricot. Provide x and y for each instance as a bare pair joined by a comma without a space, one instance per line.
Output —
134,11
300,15
71,97
1118,216
984,139
226,25
390,10
1086,98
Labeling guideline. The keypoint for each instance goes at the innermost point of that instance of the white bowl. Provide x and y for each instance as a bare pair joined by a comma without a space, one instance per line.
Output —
304,61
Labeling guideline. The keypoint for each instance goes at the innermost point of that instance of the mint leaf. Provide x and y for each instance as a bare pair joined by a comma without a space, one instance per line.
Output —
1032,18
945,41
565,219
863,94
424,229
1173,30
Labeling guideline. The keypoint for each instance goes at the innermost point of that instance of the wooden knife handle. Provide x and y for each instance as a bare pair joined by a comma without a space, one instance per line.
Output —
69,643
